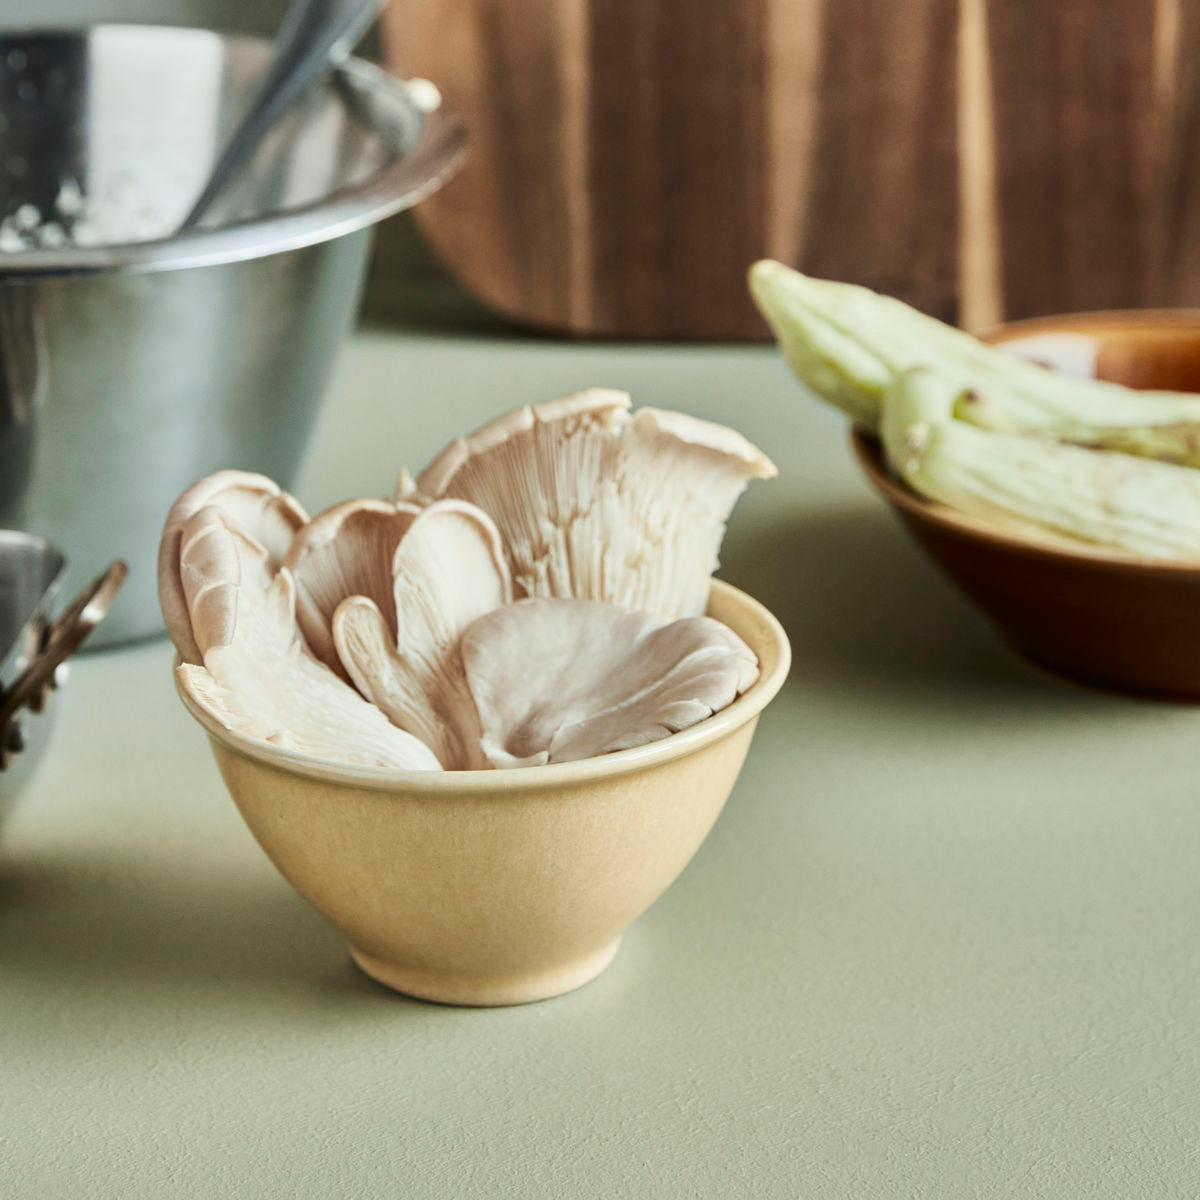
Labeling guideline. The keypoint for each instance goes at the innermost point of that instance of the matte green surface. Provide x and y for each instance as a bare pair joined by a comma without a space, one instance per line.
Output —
942,943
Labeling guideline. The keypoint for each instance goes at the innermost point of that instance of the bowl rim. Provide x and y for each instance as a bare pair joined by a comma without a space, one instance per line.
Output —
435,155
1090,320
868,451
743,613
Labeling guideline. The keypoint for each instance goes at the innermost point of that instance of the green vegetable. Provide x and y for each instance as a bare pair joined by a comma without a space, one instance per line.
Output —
849,344
1150,509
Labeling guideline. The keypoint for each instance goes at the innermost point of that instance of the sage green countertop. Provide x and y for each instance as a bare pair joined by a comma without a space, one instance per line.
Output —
942,943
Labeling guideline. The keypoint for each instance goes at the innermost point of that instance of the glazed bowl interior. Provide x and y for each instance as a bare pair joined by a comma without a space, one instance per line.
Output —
1145,349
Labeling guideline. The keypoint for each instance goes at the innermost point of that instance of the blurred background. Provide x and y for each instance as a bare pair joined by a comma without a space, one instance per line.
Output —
984,161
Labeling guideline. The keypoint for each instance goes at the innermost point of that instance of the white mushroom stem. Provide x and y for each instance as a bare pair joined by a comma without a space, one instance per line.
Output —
559,680
258,678
346,550
448,570
258,507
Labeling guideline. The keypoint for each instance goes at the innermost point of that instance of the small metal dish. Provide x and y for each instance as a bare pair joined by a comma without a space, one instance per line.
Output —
34,647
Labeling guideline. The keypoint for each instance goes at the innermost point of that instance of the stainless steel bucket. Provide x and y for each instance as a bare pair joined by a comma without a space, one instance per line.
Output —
128,370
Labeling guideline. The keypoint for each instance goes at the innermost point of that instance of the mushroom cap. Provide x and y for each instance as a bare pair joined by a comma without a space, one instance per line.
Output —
447,570
258,677
559,680
346,550
262,511
734,452
677,480
581,412
217,559
595,504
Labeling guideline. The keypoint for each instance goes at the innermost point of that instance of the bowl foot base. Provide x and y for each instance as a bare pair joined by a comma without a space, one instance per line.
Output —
446,987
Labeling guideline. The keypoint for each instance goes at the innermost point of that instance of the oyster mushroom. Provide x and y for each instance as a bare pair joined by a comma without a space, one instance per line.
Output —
258,678
678,478
346,550
256,505
448,569
594,504
544,475
558,680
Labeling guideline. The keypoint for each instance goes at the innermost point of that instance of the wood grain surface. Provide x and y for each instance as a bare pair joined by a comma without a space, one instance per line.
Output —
982,159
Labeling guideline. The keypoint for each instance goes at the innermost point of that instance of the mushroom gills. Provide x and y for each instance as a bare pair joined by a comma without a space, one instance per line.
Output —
347,550
677,479
448,570
594,504
253,504
258,677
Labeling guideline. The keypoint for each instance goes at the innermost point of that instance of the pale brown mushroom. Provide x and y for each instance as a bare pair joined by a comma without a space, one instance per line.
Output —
347,550
559,680
593,511
448,569
258,677
595,504
677,479
258,507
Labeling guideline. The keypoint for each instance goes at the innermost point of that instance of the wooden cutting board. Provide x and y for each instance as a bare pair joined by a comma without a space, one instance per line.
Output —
982,159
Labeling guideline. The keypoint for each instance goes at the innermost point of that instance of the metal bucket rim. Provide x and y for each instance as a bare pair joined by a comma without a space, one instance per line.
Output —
434,156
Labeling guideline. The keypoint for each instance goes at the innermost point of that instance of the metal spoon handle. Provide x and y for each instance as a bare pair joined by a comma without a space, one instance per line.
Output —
314,35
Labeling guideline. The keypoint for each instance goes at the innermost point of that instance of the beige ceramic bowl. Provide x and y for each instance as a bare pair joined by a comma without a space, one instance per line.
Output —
499,887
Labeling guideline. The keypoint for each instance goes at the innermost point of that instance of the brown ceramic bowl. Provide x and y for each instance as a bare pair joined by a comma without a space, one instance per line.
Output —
1102,618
